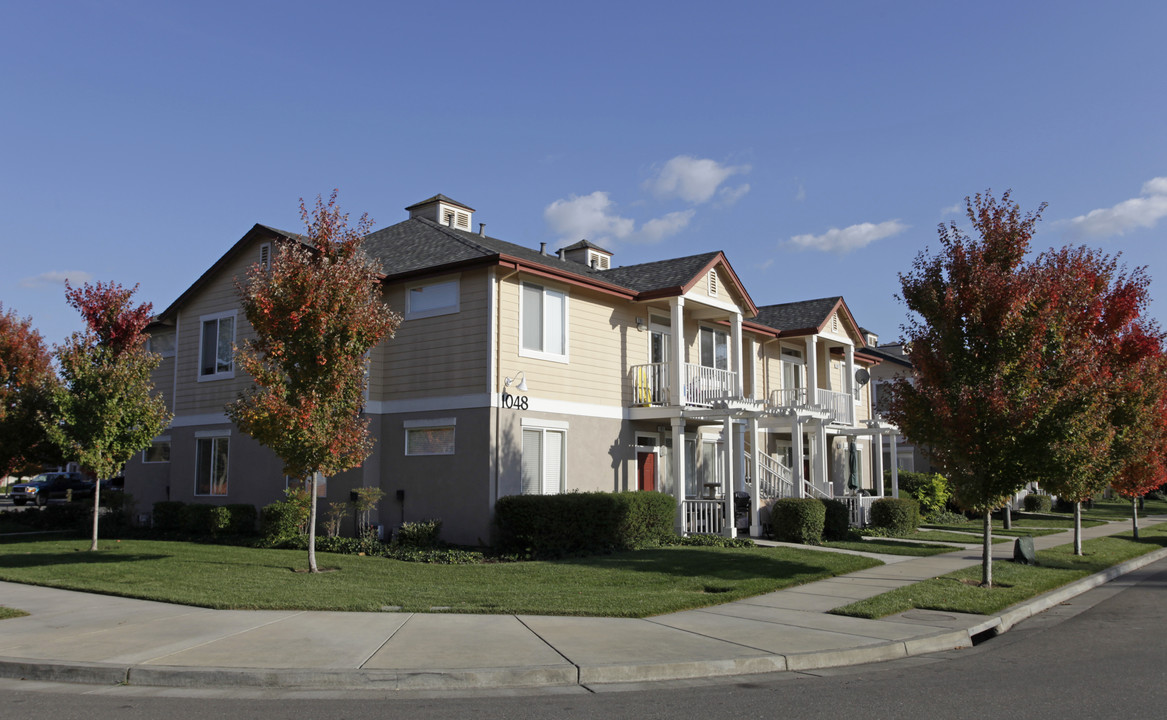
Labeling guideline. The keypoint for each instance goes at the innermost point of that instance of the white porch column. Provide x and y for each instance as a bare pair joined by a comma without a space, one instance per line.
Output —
877,455
679,471
796,446
739,457
818,471
756,474
895,468
677,366
728,529
736,342
753,390
812,371
849,368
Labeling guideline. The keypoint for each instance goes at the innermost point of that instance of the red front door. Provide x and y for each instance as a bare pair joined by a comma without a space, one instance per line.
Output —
646,470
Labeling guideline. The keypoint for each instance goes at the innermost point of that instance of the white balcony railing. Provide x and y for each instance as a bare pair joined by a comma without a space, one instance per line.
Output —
840,406
704,385
792,397
650,384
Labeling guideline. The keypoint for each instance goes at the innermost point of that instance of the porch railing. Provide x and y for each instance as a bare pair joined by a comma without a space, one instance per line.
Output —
859,509
775,481
840,406
791,397
704,517
650,384
704,385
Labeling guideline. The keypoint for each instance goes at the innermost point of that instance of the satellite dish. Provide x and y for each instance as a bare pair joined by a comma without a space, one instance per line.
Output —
862,377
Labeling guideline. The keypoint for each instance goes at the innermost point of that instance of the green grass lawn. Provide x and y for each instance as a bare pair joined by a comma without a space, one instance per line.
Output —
1047,521
960,591
890,547
635,584
7,612
1017,531
954,536
1119,509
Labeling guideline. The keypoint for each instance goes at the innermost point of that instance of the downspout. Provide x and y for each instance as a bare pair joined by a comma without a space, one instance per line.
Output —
496,339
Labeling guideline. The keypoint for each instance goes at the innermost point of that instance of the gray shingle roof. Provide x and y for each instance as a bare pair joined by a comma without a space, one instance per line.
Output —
801,315
659,275
441,198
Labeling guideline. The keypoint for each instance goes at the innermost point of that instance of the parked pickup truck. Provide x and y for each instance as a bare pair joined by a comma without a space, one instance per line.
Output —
52,486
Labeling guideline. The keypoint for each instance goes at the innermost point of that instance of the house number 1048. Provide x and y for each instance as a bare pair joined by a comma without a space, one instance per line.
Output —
514,401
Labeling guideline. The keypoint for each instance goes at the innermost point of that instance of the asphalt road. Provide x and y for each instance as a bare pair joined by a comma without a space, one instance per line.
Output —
1101,655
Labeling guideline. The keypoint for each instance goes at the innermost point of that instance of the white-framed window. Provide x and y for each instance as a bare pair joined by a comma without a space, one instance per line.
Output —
792,369
433,436
158,452
428,300
211,461
216,346
543,323
544,451
161,342
714,349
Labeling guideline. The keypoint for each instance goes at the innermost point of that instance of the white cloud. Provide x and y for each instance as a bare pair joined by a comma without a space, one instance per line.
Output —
800,194
660,228
57,277
953,209
591,216
694,180
728,196
1140,212
849,238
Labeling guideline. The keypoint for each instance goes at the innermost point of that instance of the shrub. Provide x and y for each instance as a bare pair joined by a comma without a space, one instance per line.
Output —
709,541
929,489
798,520
422,534
582,523
242,519
286,519
203,520
168,517
837,525
1038,503
898,516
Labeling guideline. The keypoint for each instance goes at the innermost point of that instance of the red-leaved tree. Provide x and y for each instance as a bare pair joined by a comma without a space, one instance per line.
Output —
104,409
26,377
316,312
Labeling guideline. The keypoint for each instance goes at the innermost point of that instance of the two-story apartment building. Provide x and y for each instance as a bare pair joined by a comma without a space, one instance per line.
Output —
518,370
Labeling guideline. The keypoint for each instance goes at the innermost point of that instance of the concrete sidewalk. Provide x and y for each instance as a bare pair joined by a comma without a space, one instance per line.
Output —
82,638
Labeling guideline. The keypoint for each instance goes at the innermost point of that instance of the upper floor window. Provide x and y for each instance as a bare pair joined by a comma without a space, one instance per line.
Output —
216,346
543,316
161,342
714,349
440,298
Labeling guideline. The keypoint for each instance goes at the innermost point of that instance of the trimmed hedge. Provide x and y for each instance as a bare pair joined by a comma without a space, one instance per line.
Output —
285,519
898,516
242,519
1038,503
168,516
837,525
798,520
421,535
582,523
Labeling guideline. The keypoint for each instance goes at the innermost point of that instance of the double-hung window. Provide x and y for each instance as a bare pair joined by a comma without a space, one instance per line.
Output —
216,346
714,349
543,317
544,449
439,298
211,455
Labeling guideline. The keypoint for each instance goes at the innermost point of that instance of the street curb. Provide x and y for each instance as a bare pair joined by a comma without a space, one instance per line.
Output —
550,676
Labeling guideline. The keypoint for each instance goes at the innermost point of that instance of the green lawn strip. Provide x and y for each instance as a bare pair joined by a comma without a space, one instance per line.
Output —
1013,583
1119,510
953,536
7,612
635,584
890,547
1049,521
1015,532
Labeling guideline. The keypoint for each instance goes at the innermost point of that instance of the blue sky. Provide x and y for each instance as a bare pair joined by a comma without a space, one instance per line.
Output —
817,144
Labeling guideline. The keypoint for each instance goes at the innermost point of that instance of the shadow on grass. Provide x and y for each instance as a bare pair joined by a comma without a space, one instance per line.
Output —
690,562
79,557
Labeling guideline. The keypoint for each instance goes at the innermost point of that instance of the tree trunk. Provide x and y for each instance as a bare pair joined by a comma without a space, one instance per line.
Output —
1135,517
1078,528
312,526
1008,516
96,512
987,552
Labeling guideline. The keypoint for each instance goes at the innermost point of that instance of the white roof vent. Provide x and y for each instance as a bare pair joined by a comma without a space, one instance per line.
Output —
444,211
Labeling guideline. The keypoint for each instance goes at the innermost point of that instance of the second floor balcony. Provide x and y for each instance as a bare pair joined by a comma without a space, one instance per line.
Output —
701,386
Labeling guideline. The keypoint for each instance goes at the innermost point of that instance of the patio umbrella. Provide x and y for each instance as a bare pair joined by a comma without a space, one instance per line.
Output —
853,467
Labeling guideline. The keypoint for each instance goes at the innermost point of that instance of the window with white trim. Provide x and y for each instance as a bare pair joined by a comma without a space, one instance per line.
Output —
714,349
544,450
211,461
434,436
543,320
158,452
440,298
161,342
216,346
